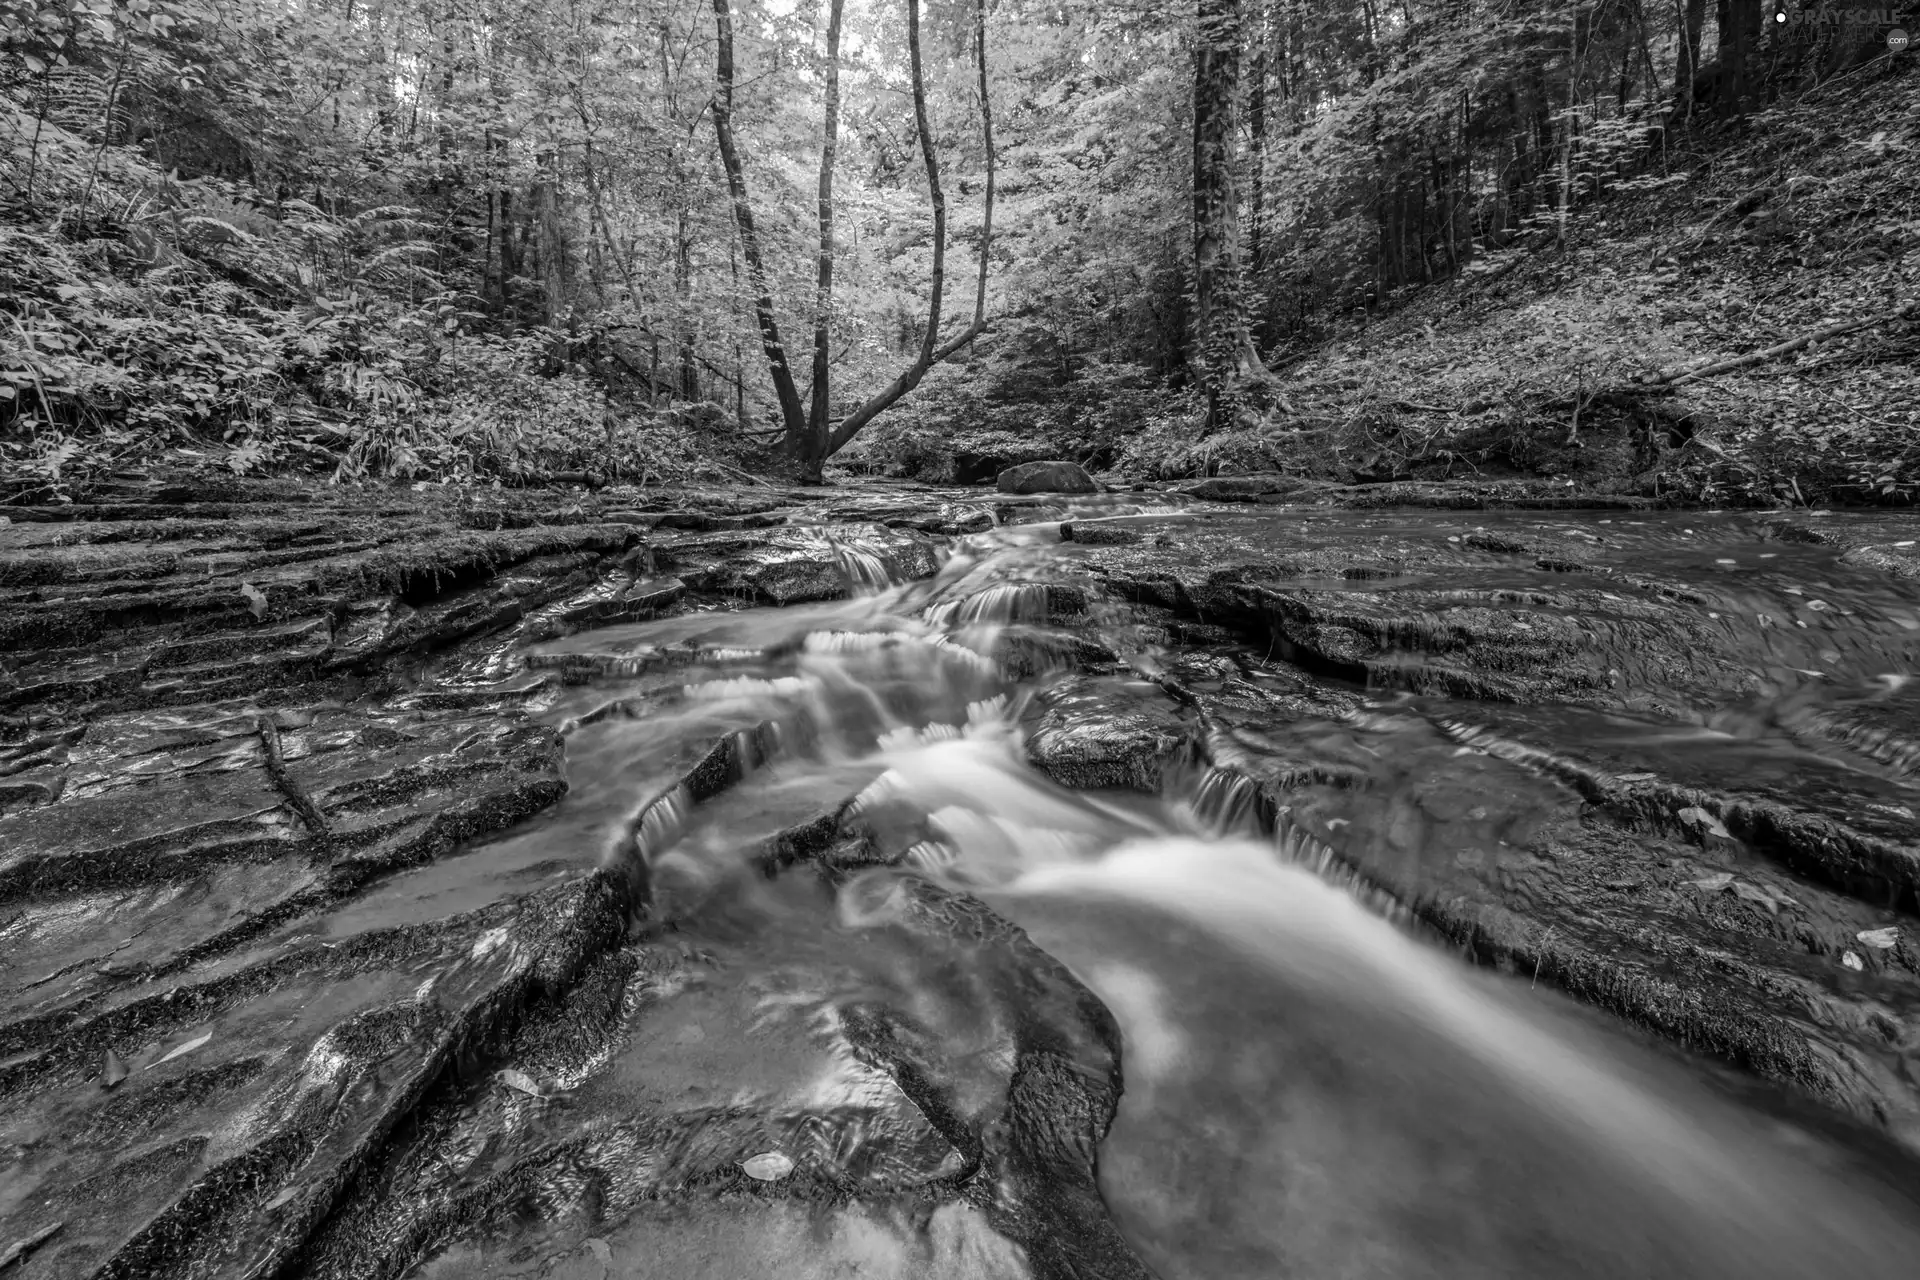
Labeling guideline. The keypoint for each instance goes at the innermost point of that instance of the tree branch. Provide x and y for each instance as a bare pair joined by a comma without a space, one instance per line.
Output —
932,351
1673,377
783,384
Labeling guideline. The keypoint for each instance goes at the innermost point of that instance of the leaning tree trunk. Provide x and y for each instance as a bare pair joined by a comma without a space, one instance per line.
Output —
810,438
810,451
1224,354
932,350
791,413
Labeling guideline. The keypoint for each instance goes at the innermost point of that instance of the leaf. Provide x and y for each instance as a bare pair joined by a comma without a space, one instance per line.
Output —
1696,816
1884,939
188,1047
768,1166
112,1070
256,599
1764,894
519,1080
285,1197
1852,961
1713,883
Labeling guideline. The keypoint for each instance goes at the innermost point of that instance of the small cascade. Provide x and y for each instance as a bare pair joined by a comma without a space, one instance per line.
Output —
1002,605
1226,801
1242,922
867,573
654,828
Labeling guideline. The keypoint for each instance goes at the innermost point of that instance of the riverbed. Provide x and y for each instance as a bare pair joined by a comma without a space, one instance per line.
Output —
907,883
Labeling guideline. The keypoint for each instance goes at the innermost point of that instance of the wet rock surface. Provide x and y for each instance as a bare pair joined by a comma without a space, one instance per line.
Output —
325,952
1046,477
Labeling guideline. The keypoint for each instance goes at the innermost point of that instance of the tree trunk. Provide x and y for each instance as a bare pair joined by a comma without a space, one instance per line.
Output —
986,134
809,451
1257,137
1739,22
1224,353
1693,17
932,351
791,412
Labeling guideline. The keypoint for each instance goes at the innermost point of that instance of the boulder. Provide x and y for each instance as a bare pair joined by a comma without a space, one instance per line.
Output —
1047,477
1247,488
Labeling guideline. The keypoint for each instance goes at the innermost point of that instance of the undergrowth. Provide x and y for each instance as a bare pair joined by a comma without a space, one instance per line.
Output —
143,316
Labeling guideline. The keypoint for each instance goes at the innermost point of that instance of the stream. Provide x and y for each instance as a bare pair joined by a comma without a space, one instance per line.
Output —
1150,889
1312,1089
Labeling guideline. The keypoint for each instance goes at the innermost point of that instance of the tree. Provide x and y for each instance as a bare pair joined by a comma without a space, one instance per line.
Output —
1224,352
811,437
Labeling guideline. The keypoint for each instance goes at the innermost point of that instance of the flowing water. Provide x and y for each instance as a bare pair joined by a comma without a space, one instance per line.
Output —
1314,1085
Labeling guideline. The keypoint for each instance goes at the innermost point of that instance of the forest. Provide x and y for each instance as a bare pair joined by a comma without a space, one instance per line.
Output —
959,639
468,242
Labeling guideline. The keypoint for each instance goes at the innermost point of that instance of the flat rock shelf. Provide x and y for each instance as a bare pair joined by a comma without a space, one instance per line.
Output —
334,943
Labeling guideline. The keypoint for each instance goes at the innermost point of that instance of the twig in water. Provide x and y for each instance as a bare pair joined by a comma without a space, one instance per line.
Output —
287,784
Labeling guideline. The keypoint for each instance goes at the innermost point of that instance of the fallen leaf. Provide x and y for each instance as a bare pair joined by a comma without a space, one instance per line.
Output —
601,1250
1852,961
112,1071
188,1047
1713,883
285,1197
1885,939
1699,817
519,1080
1764,894
256,599
768,1166
1634,777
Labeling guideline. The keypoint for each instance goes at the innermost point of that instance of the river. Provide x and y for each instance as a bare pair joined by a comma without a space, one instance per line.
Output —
1316,1083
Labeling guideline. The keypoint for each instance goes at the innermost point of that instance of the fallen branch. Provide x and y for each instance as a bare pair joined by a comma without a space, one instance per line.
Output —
1713,448
1673,377
286,784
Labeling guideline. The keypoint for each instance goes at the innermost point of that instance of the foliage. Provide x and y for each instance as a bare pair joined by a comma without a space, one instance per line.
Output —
391,237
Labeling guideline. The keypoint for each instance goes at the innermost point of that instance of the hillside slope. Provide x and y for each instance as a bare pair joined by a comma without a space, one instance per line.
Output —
1536,361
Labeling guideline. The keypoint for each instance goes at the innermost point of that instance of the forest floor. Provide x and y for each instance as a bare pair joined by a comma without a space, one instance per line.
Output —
1538,359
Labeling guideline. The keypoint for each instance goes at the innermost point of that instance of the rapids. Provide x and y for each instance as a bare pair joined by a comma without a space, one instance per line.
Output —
897,882
1315,1083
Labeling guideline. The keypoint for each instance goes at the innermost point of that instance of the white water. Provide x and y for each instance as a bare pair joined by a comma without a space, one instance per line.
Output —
1310,1090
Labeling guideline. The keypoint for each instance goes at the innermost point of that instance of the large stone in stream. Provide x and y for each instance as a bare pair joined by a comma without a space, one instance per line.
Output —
1046,477
1254,488
797,564
1599,637
1125,735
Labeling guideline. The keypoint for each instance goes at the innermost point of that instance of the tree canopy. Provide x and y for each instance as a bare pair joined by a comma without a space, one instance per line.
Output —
433,236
